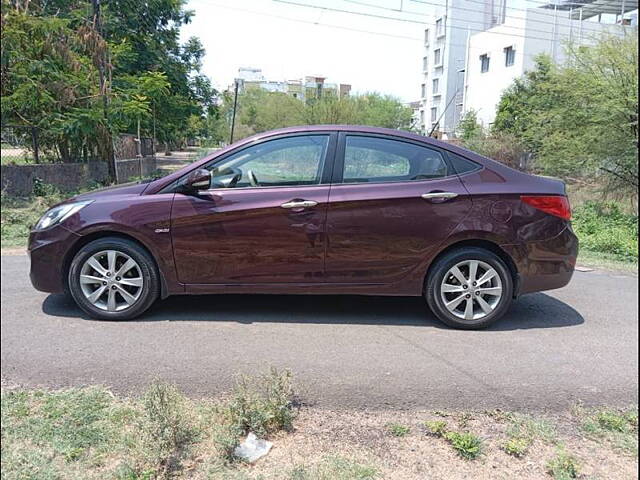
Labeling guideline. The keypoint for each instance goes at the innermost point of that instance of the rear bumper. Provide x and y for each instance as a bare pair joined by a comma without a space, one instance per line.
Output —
47,251
545,265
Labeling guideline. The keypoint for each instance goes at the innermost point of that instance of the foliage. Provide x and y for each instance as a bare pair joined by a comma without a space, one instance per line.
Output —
563,466
398,430
516,446
469,128
259,111
468,445
53,58
333,468
262,405
164,426
603,227
436,427
580,119
618,426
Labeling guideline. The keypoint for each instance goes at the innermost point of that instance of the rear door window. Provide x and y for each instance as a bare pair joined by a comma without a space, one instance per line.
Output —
374,159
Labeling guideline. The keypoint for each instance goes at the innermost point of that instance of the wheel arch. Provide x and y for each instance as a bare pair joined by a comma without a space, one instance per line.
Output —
478,243
90,237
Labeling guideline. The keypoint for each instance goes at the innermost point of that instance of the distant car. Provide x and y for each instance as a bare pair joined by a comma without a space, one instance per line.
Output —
315,210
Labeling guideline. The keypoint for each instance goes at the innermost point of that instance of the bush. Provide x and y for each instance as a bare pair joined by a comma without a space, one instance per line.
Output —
517,446
165,427
436,427
563,466
262,405
398,430
467,444
603,227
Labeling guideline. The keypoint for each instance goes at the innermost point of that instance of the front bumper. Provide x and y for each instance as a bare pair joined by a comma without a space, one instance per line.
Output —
545,265
47,252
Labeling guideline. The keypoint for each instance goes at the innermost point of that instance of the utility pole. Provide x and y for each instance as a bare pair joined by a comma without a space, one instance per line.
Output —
235,106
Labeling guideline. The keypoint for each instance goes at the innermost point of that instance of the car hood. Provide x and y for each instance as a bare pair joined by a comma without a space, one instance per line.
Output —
135,188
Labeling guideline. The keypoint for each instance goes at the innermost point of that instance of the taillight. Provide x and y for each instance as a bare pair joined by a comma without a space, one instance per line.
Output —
553,204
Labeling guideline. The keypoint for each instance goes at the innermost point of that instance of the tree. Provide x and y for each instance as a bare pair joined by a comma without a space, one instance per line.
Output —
469,128
581,119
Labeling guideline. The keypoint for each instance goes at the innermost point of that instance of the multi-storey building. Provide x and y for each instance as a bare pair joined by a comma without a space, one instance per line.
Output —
313,86
443,63
501,54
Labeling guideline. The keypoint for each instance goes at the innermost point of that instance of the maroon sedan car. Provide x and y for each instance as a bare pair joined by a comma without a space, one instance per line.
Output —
315,210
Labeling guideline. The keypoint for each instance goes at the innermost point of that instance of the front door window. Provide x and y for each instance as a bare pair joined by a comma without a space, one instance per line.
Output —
288,161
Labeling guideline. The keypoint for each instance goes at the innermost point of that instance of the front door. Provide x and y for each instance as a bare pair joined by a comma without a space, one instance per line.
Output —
264,218
393,204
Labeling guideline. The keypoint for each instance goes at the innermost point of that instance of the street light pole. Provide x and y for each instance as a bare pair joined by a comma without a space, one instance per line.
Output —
235,106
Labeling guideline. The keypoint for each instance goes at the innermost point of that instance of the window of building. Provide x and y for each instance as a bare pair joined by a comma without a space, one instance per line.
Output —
434,114
435,86
424,90
439,28
509,56
436,57
425,63
421,117
426,36
484,63
371,159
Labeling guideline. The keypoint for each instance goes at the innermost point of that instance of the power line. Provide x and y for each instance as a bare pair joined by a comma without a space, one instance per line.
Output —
473,29
533,20
317,23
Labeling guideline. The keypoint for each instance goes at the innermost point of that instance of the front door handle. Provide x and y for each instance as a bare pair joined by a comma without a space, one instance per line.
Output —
299,204
439,195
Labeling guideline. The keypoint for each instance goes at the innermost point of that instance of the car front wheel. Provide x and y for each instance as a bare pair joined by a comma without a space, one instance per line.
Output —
469,288
113,279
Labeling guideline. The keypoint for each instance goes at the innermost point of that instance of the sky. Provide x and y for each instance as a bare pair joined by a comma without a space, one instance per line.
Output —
290,41
248,33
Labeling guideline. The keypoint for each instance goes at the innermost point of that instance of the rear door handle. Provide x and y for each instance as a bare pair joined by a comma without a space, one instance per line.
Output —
299,204
439,195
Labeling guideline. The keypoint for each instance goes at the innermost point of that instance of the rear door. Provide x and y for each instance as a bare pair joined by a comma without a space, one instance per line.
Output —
392,203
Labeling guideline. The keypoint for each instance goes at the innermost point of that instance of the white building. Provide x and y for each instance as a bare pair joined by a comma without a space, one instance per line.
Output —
497,56
443,63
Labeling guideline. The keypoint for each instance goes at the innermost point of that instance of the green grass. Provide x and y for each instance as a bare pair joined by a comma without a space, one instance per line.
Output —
619,427
563,466
606,231
436,427
19,214
333,468
516,446
398,430
468,445
89,433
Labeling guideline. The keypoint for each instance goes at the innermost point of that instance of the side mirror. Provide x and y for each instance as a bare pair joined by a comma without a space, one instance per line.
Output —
199,179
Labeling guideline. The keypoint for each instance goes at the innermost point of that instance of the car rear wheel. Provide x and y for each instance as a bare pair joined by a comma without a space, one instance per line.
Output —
113,279
469,288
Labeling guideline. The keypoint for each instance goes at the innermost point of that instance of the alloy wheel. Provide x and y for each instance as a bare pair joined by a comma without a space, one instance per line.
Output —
111,280
471,290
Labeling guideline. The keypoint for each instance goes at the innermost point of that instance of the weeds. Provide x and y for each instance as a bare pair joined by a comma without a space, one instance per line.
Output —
563,466
604,228
165,427
516,446
436,427
334,468
620,427
262,405
398,430
467,444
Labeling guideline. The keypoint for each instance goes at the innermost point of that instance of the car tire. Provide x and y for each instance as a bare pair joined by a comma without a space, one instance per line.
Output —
486,306
133,292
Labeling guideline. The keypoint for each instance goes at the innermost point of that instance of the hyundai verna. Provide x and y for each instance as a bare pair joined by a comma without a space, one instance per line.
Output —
315,210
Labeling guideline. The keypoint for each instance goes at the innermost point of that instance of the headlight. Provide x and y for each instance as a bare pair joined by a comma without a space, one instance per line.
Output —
59,214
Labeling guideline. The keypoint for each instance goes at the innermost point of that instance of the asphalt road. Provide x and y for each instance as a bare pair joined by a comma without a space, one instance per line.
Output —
579,343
